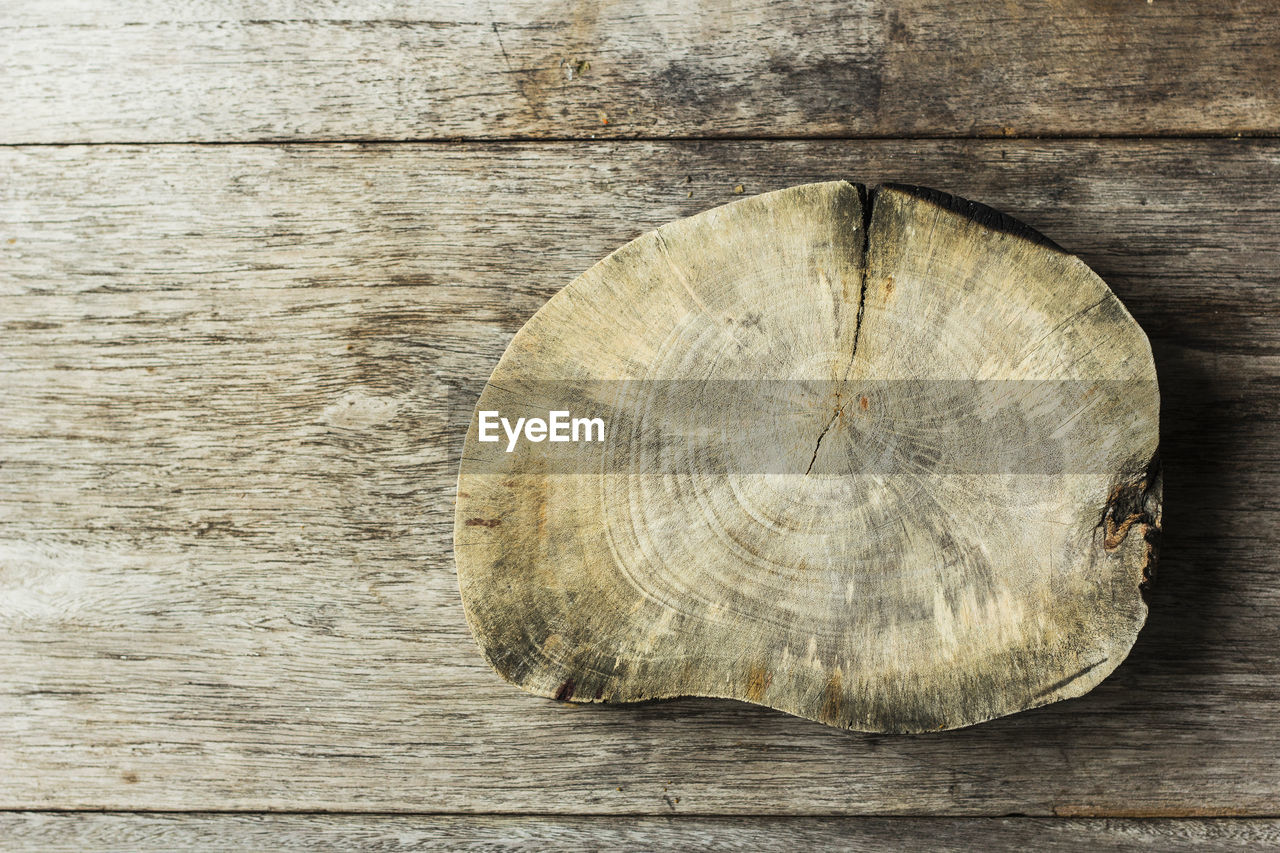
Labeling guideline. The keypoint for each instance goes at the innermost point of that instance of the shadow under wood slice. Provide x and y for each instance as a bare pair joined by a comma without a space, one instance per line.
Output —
886,460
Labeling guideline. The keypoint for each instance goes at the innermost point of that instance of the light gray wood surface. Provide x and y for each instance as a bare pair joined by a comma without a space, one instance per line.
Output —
158,71
225,483
139,833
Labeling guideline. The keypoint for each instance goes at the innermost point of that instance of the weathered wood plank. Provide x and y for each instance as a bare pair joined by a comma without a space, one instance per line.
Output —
226,484
138,833
144,70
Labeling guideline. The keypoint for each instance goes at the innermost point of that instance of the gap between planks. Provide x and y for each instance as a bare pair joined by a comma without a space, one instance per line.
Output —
686,817
641,138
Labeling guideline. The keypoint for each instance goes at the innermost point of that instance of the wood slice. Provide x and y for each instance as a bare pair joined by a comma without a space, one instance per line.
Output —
883,459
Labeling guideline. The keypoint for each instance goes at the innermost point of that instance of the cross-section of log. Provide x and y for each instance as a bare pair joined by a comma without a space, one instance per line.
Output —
886,460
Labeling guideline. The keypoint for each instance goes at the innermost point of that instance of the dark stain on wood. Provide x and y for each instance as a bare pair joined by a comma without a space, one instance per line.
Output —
758,680
833,700
983,215
1136,501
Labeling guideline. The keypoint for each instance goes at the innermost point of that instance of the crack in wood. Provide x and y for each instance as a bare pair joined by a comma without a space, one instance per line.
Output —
1058,685
866,197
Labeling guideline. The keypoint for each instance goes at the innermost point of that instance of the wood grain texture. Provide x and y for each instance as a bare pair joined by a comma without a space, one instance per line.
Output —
139,833
226,483
147,70
862,458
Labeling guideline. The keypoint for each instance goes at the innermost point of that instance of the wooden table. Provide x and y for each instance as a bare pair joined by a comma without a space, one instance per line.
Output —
249,252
